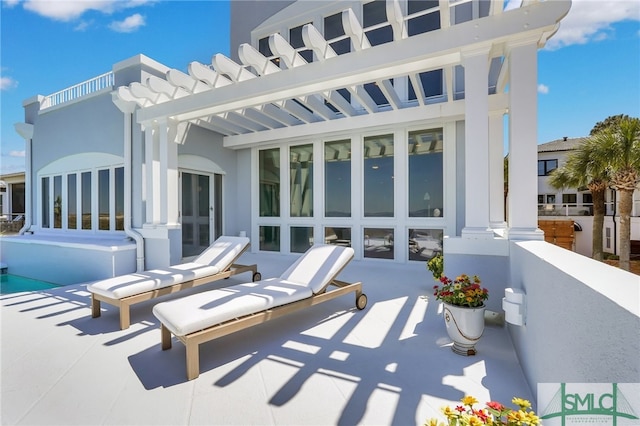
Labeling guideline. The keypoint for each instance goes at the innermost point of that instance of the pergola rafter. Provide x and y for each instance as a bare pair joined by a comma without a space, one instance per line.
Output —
259,95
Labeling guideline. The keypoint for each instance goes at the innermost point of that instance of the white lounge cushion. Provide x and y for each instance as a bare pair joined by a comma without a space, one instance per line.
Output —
131,284
222,252
215,259
199,311
318,266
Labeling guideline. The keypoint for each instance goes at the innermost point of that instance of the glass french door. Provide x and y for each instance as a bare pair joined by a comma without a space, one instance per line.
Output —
201,212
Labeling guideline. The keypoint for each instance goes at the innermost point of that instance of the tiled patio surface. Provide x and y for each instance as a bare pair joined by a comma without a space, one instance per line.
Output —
330,364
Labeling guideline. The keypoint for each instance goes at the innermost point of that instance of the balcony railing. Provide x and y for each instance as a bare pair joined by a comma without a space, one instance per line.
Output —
585,209
93,85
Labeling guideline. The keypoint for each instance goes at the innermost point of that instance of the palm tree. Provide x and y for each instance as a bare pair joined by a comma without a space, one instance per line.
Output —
619,147
584,169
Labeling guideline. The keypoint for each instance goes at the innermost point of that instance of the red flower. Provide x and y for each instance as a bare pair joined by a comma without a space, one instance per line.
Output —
460,408
495,405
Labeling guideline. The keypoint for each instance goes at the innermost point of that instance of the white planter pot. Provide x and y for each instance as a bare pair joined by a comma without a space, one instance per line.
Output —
464,326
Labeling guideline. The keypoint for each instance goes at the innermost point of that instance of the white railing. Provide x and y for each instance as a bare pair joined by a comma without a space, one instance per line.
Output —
82,89
584,209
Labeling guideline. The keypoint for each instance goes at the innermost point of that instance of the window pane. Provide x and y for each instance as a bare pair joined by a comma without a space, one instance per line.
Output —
17,197
301,238
86,200
376,94
45,203
119,189
337,178
203,196
424,244
187,198
295,40
378,243
425,173
57,202
378,176
72,201
269,170
301,180
337,236
103,200
270,238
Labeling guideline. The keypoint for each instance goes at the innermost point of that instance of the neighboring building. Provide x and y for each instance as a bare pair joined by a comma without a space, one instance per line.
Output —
577,203
12,191
373,124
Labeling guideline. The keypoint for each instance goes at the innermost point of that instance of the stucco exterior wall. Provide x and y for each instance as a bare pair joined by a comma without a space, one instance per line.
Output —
93,125
572,302
245,16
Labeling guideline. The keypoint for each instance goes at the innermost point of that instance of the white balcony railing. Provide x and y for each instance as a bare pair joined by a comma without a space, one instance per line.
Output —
585,209
93,85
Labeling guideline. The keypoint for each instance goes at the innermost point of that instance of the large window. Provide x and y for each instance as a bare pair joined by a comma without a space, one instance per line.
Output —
337,178
67,201
546,166
378,176
425,173
301,180
269,170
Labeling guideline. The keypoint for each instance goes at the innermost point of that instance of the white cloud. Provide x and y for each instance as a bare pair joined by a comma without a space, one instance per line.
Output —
592,20
16,153
68,10
7,83
129,24
543,89
11,3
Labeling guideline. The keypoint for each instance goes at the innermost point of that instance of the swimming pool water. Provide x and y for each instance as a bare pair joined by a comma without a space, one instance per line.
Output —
16,284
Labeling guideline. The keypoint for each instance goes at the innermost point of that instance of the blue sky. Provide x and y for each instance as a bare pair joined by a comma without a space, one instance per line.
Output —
587,72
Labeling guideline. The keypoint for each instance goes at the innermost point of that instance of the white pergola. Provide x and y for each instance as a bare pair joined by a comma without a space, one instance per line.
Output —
271,99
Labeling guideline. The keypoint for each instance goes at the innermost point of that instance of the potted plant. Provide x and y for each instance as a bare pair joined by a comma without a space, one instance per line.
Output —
494,413
436,266
463,300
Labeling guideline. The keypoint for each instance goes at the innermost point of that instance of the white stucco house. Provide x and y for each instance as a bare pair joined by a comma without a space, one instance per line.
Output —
577,203
375,124
399,105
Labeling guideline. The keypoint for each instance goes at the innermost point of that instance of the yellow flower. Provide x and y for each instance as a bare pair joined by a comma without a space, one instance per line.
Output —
474,421
448,411
433,422
522,403
469,400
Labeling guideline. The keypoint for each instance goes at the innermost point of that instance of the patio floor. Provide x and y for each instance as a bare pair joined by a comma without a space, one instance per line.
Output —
331,364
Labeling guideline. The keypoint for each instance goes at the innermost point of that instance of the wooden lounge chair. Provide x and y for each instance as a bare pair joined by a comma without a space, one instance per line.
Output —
206,316
215,263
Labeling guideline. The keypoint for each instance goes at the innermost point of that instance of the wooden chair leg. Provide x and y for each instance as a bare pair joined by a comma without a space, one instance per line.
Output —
193,360
95,307
166,337
125,319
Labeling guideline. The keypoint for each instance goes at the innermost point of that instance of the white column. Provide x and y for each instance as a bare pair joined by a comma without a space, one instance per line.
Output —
151,175
476,72
496,172
169,168
523,140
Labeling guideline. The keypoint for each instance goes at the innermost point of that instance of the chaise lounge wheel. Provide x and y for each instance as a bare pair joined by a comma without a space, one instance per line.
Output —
257,276
361,301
